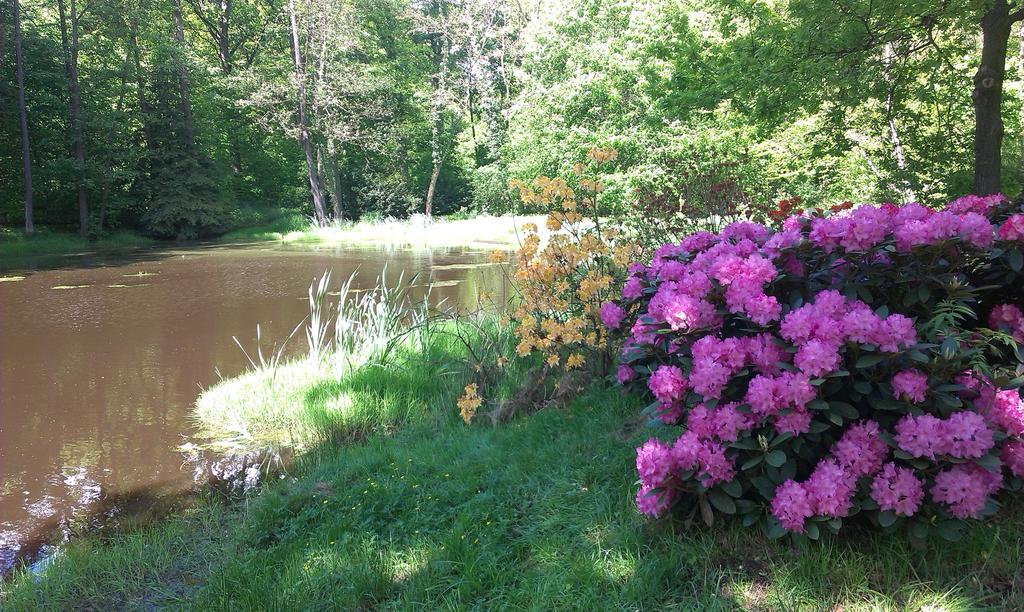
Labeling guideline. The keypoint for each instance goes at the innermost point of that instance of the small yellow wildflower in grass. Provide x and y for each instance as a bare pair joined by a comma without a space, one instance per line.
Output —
469,403
574,361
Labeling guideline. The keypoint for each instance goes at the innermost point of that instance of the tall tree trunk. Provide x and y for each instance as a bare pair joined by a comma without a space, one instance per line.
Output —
307,147
70,49
26,153
339,211
429,208
183,85
439,82
987,96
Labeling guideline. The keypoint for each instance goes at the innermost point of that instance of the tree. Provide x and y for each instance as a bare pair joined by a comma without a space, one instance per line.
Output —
996,23
26,153
70,49
234,29
302,120
435,30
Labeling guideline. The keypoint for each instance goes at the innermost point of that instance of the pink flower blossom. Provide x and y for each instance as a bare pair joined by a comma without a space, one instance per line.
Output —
796,421
817,358
922,436
968,435
1013,457
654,503
910,385
1012,228
667,383
624,374
964,489
633,289
612,315
1007,412
897,332
1008,318
896,489
976,230
831,489
792,506
861,450
655,463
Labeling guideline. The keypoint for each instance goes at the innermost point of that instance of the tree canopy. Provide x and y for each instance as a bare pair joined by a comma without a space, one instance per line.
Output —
186,118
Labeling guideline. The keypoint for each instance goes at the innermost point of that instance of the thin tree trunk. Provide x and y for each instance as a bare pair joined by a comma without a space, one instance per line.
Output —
338,208
987,97
429,208
307,147
26,153
75,108
183,85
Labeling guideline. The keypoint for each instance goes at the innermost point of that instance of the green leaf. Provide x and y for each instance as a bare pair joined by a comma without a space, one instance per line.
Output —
923,293
776,458
722,501
918,356
733,488
818,405
844,409
886,518
1016,260
866,361
773,530
949,348
812,531
862,386
990,462
752,462
950,530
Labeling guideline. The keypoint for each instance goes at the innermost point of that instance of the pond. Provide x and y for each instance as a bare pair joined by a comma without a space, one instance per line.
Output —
103,356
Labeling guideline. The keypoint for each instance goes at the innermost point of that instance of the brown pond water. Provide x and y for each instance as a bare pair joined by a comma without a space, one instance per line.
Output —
102,358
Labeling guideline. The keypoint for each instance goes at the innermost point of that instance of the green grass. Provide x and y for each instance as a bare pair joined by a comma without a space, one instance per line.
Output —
406,507
416,231
44,242
277,224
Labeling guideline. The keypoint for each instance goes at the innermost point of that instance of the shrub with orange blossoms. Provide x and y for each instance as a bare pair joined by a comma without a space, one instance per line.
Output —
564,282
469,402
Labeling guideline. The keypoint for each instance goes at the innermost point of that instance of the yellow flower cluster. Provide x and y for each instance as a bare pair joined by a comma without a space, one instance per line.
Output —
601,156
469,403
564,282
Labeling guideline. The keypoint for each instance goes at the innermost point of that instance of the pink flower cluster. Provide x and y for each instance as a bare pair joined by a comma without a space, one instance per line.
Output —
751,340
911,385
1008,318
898,490
865,227
965,488
819,329
964,435
1013,229
612,315
830,488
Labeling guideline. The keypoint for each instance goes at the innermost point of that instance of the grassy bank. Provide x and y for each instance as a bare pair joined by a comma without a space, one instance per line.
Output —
536,514
399,504
16,244
416,231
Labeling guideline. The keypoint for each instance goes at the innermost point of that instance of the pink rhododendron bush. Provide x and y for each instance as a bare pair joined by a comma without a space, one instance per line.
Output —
862,366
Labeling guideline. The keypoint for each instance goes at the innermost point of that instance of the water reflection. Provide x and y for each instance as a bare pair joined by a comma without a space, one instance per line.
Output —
97,379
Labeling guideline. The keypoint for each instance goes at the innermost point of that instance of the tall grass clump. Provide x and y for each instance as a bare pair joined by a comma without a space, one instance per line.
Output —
352,339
